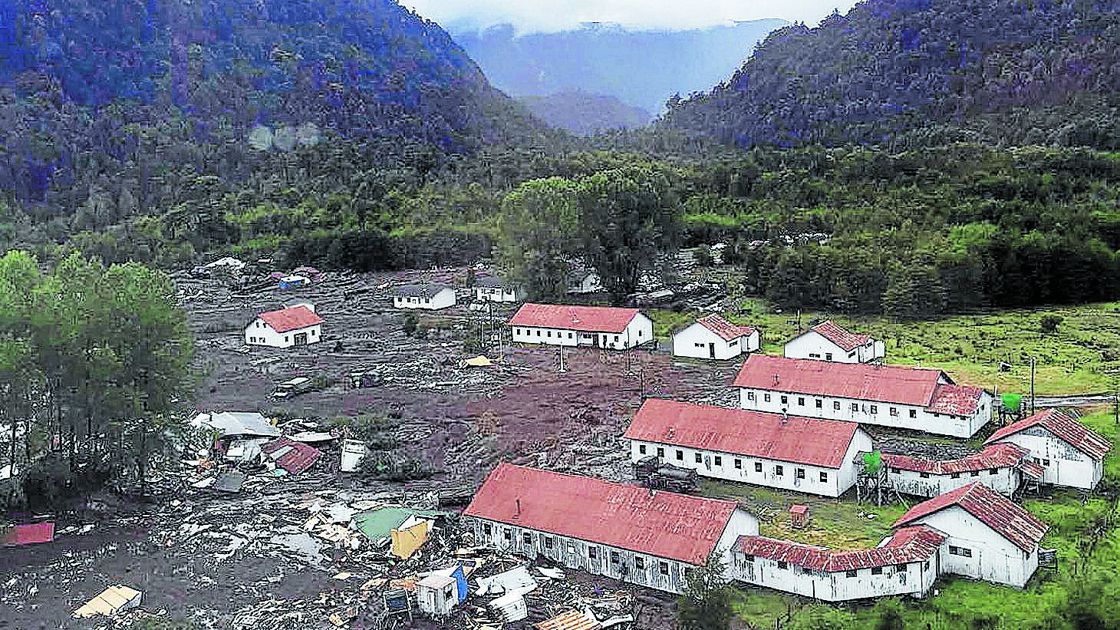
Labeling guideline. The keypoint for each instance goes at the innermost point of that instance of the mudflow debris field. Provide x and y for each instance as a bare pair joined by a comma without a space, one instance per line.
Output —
282,552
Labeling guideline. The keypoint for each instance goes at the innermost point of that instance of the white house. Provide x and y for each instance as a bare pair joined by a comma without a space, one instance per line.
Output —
905,563
493,289
1001,467
713,337
766,449
828,342
428,297
1070,453
583,281
891,396
644,537
295,326
595,326
987,537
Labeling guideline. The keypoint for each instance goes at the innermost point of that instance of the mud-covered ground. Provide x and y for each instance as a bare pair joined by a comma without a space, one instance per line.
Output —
242,561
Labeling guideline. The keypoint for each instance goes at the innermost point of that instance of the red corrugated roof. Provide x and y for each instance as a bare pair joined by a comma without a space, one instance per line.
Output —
582,318
912,544
844,338
741,432
1007,519
294,457
1032,469
289,319
29,534
662,524
725,329
956,400
993,456
858,381
1065,427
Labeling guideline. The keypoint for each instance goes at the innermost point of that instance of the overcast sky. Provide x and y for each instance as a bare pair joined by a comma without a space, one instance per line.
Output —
556,15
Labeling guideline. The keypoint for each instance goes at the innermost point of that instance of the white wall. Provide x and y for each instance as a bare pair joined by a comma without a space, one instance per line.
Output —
638,332
697,342
589,283
813,345
1005,480
494,294
873,413
993,557
1064,464
258,333
914,578
441,300
744,469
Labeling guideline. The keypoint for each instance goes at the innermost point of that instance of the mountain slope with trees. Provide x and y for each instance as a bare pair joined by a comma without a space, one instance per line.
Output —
896,72
586,114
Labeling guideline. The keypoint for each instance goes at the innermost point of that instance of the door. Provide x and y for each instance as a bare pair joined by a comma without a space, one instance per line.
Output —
711,350
301,339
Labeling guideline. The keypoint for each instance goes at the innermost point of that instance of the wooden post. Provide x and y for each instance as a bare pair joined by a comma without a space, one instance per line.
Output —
1032,385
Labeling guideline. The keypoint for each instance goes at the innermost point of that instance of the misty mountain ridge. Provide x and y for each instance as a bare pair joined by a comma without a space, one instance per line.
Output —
586,114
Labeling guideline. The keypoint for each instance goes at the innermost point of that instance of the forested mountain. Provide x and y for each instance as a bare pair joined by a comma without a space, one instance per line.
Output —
116,108
925,72
640,68
586,114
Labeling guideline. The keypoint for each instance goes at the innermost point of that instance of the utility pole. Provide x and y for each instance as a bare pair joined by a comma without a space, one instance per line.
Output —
1032,385
563,368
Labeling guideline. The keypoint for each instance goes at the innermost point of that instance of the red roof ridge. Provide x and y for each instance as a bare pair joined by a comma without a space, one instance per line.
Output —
606,319
858,381
999,513
992,456
1064,426
839,335
910,544
291,318
726,330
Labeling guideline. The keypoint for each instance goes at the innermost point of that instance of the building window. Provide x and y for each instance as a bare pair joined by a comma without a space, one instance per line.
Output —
851,573
851,355
960,551
1045,462
549,334
800,472
800,401
641,449
782,565
527,538
766,397
820,403
615,558
993,471
663,568
680,456
828,356
894,412
779,471
507,534
738,464
699,459
593,553
719,460
487,529
874,408
548,542
660,452
836,405
758,467
750,395
855,407
925,565
913,413
747,557
976,473
569,335
876,570
639,563
824,477
955,475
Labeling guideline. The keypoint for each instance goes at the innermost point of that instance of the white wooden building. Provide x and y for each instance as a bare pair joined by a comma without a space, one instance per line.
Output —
644,537
296,326
593,326
493,289
1070,453
584,281
786,452
829,342
427,297
987,537
713,337
882,395
1001,467
903,564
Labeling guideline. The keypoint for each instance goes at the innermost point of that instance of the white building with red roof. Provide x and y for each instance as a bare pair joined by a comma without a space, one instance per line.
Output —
766,449
645,537
882,395
987,537
574,326
294,326
713,337
1069,453
1001,467
829,342
904,563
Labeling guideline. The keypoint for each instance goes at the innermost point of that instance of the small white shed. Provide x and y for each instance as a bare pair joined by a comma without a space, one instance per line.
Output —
713,337
493,289
829,342
437,595
428,297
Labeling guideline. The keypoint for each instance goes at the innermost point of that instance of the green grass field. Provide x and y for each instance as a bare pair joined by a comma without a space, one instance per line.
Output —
958,603
1082,356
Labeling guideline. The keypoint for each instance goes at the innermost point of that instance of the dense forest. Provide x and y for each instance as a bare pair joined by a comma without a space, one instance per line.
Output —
918,72
586,114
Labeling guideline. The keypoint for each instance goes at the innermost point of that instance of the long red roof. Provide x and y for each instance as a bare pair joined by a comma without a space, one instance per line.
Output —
956,400
910,544
604,319
29,534
857,381
992,456
1004,517
1065,427
662,524
842,337
289,319
741,432
723,328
